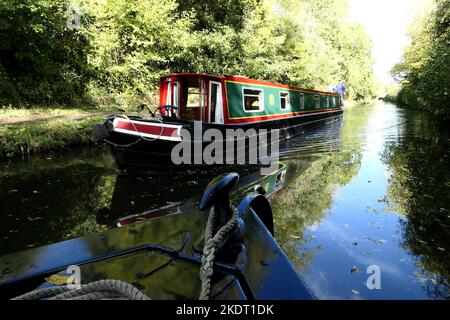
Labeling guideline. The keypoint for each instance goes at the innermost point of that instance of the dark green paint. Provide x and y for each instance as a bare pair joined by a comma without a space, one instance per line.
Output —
236,107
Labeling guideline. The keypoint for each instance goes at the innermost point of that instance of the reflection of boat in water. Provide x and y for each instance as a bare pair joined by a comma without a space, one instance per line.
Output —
139,196
150,254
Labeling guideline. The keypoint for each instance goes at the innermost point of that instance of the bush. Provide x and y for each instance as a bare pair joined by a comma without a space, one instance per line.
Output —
41,59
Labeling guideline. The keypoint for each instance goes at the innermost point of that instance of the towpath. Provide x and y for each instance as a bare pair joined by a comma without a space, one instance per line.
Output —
50,117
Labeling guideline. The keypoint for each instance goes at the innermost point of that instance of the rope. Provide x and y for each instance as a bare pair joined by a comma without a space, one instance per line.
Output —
102,289
140,135
116,289
210,249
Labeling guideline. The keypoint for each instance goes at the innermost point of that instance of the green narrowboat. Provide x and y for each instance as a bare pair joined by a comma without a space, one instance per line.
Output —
191,103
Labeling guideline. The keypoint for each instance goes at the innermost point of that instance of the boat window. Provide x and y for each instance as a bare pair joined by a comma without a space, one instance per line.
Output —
176,99
302,101
202,100
333,102
280,178
253,100
317,98
169,93
213,101
284,101
193,97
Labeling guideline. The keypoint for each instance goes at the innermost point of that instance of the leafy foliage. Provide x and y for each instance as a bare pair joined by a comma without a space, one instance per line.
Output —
41,60
425,68
125,45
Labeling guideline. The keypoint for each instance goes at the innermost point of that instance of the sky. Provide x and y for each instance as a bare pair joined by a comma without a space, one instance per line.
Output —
387,22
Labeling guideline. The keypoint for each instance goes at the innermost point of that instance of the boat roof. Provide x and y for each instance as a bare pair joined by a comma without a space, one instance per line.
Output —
242,79
137,251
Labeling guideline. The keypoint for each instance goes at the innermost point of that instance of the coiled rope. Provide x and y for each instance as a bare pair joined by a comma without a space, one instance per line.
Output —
119,290
211,245
98,290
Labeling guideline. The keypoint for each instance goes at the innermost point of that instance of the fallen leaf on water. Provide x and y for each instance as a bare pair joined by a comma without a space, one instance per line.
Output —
376,241
6,271
354,269
35,218
369,209
57,279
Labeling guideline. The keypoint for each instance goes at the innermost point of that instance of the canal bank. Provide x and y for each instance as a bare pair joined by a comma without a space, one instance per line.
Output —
45,134
24,132
369,191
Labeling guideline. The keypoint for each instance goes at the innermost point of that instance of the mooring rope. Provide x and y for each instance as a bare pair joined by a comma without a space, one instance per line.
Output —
140,136
98,290
210,249
116,289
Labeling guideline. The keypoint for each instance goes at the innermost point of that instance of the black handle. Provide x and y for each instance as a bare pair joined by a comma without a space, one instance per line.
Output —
217,193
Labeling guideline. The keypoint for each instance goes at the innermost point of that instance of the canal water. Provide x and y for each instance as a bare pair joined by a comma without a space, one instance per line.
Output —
363,213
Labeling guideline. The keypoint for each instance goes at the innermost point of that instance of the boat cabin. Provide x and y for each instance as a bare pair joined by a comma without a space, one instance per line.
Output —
194,96
232,99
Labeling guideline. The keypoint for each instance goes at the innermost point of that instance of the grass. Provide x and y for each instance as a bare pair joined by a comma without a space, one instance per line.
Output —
9,112
40,128
41,137
34,129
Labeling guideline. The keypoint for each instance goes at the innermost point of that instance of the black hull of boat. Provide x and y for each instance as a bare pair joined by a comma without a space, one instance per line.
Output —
162,256
130,152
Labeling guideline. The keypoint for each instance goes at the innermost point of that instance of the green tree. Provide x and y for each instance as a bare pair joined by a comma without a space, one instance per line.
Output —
41,59
124,45
424,69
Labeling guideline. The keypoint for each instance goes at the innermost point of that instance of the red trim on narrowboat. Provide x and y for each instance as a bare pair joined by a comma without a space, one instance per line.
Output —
226,114
271,84
193,75
247,80
148,128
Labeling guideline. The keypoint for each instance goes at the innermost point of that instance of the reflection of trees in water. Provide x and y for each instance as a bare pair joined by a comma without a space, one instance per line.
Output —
53,200
305,199
419,188
309,192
